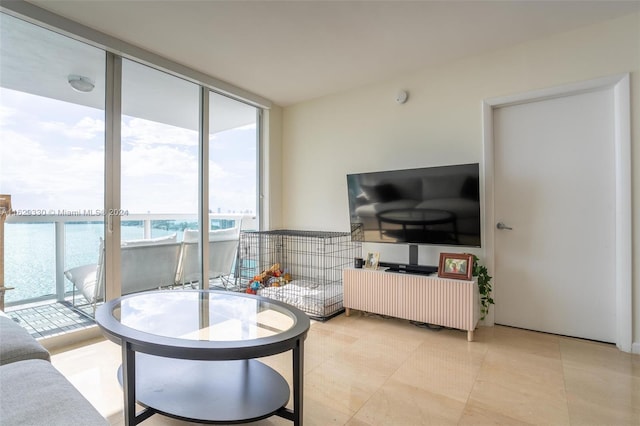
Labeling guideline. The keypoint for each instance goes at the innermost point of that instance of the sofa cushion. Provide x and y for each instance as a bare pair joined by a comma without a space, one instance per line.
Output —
17,344
85,279
381,193
434,187
34,393
374,209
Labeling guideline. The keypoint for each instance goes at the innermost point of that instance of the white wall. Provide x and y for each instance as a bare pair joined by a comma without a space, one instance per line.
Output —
366,130
271,169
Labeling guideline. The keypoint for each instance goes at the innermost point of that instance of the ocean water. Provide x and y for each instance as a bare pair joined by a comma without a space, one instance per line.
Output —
30,254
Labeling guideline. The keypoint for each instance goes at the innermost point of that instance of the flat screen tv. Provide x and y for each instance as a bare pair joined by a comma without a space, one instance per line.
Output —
431,205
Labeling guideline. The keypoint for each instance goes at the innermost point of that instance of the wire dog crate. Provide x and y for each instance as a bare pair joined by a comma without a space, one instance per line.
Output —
301,268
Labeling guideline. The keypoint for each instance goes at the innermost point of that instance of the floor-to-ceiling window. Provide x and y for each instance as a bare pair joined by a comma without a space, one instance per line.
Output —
233,159
159,174
51,156
159,152
55,159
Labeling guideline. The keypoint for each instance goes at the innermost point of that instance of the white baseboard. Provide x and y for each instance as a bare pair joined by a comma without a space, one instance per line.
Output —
635,348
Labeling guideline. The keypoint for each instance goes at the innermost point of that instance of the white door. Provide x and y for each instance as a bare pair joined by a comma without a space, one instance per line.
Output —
555,187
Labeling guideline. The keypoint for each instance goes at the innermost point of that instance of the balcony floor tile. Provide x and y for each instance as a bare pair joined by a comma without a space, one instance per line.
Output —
49,319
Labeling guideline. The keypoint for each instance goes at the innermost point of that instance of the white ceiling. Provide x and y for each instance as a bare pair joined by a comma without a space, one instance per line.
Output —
37,61
292,51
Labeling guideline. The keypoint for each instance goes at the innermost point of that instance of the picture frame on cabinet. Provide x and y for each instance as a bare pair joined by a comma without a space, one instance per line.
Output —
372,260
455,265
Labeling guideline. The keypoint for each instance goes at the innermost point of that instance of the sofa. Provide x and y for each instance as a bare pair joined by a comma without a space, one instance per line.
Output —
32,391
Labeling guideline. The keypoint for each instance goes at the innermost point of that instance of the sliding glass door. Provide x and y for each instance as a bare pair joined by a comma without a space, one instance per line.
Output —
159,174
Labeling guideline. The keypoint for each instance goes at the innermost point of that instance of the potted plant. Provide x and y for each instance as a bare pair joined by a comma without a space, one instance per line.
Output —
484,285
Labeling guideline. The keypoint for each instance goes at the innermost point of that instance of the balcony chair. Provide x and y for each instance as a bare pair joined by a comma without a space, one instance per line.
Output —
223,252
146,265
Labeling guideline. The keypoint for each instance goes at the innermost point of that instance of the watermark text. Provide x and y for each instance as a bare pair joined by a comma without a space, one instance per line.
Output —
64,212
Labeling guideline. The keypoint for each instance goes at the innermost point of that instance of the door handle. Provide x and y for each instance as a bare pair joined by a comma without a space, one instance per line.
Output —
501,225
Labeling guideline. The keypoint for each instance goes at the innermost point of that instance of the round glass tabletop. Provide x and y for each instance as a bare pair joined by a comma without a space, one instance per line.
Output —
201,320
208,316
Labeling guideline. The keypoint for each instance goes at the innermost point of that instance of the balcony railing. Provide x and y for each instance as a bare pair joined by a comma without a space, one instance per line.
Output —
32,261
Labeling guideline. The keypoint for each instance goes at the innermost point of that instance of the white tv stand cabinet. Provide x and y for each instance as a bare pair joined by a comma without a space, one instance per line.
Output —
441,301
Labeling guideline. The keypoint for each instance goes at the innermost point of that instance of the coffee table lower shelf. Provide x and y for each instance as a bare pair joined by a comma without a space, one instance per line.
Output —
236,391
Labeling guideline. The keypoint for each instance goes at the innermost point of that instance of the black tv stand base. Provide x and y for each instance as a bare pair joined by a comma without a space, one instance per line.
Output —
409,269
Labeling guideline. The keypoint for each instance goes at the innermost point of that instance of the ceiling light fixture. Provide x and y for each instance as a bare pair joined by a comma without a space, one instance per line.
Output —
81,83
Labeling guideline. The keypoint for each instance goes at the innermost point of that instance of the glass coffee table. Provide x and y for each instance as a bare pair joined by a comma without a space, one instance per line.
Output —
190,355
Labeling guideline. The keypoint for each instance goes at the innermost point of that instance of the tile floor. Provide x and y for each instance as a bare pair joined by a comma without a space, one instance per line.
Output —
367,370
49,319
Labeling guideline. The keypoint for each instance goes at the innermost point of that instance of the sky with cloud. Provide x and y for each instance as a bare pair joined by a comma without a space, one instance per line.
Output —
52,157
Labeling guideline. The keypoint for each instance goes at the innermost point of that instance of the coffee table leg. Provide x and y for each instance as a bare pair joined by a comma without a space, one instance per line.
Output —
298,383
129,383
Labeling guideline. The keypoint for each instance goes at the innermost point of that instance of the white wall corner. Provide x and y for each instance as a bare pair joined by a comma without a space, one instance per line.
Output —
635,348
489,320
